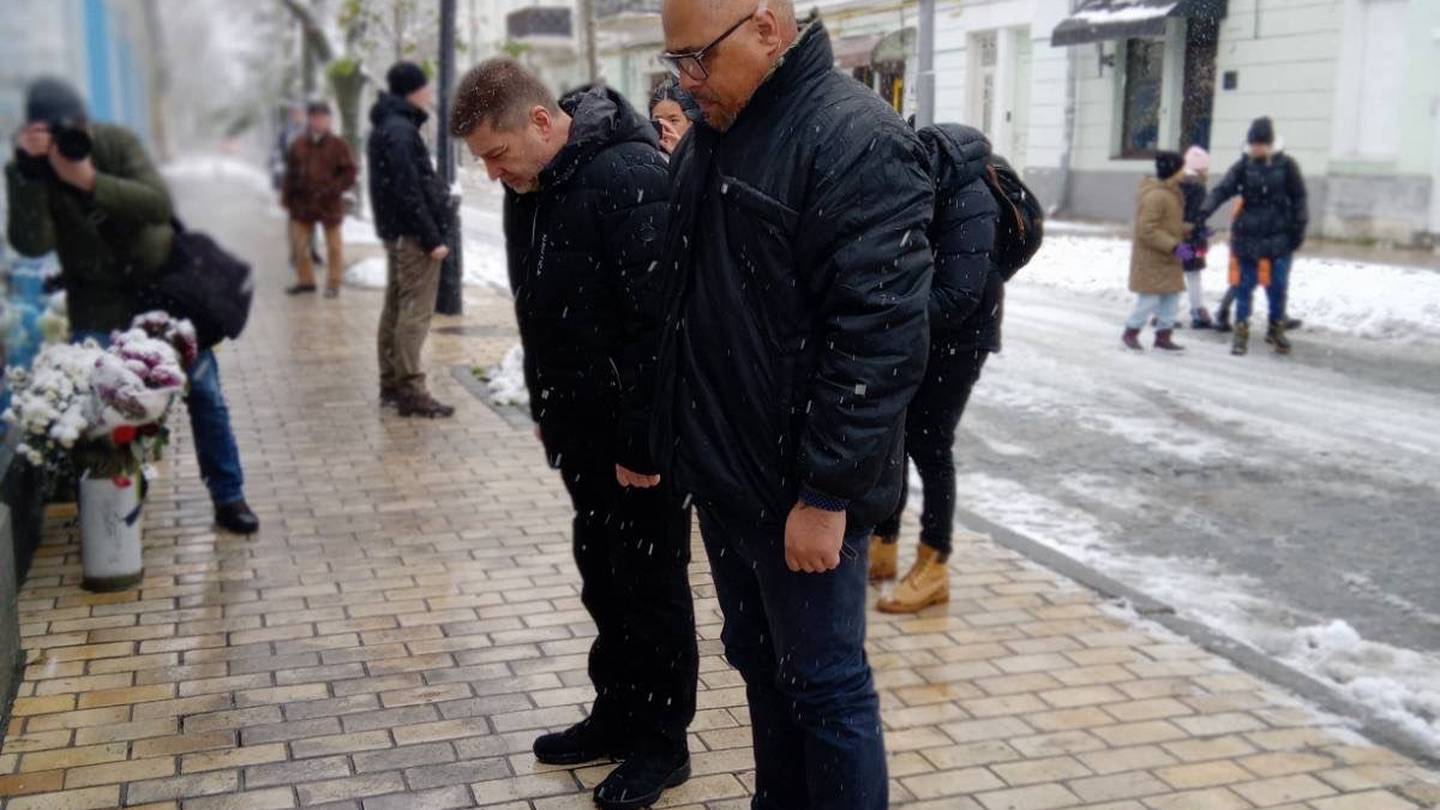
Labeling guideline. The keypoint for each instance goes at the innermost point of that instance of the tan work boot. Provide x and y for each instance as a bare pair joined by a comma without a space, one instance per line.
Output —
884,559
928,583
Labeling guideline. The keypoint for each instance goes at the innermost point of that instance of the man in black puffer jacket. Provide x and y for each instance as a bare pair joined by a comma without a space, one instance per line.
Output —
410,204
585,215
1270,228
965,304
798,273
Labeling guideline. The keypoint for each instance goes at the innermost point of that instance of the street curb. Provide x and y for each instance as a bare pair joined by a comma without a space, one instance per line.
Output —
1247,658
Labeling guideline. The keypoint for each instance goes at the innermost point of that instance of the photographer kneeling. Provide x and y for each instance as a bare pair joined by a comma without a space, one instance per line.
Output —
89,193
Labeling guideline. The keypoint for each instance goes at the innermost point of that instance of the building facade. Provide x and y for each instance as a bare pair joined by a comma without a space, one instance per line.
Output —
1080,94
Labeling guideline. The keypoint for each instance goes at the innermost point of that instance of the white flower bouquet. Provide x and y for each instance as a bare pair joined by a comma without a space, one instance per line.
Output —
103,410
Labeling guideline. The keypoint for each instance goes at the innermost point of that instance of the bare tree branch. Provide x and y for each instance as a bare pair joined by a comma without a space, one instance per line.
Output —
315,35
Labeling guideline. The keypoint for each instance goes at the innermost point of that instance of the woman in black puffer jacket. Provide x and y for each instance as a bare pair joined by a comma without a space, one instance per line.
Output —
965,313
1267,232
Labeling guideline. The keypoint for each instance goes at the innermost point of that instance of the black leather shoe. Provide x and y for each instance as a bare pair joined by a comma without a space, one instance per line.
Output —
582,742
640,781
236,517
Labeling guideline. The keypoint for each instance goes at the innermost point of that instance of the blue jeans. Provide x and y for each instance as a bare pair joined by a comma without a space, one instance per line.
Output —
215,447
798,640
1276,290
1163,307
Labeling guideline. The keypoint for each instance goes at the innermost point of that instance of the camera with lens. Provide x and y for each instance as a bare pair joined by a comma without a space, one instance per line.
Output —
71,138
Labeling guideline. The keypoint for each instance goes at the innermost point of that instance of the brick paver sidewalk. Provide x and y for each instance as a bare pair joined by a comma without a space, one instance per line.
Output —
410,618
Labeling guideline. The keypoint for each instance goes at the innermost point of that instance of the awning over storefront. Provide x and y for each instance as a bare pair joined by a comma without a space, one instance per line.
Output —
853,52
896,47
1099,20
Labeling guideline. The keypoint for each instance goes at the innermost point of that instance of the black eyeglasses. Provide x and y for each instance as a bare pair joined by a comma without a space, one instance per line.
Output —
692,64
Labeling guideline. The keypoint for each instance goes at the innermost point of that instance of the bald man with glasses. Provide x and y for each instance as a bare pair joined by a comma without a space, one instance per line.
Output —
797,274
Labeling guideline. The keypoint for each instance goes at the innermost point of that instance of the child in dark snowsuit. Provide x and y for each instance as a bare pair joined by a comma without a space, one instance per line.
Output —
1192,185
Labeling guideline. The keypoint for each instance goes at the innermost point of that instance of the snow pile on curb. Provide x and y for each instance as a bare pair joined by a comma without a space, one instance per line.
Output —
485,267
368,273
482,269
219,167
1391,682
1376,301
506,382
356,231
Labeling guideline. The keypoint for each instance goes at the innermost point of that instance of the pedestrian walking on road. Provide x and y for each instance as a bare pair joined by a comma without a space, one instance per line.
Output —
586,204
965,312
1266,232
411,207
1158,254
319,169
1192,185
89,192
798,275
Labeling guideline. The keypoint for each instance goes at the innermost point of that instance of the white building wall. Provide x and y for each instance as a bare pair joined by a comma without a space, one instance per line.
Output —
1285,55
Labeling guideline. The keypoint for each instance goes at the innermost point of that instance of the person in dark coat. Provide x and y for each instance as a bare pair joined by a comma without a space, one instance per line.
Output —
586,204
1269,229
411,208
674,112
319,169
109,218
798,277
965,311
1192,185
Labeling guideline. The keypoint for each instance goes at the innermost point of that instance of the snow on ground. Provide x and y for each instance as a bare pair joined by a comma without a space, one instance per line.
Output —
485,266
506,382
1376,301
1394,683
368,273
220,167
357,231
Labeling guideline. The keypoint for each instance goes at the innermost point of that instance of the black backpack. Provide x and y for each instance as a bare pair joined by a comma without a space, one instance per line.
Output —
204,283
1021,225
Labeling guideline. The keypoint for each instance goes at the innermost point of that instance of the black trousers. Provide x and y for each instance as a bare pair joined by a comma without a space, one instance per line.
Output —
633,550
930,442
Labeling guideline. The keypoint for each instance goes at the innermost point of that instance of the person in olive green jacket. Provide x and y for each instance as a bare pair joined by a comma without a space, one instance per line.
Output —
88,192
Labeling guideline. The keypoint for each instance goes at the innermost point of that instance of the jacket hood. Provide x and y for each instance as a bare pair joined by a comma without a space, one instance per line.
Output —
1149,184
387,105
600,118
957,154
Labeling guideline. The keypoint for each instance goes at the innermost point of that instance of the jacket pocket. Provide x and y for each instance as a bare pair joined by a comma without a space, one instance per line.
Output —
760,236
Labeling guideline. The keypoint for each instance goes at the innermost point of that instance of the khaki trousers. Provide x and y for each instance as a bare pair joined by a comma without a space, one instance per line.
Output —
412,281
300,236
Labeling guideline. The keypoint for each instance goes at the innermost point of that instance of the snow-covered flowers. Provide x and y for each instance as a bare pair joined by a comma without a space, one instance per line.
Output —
52,403
103,410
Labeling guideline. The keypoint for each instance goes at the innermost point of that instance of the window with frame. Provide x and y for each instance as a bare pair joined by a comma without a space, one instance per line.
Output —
1142,97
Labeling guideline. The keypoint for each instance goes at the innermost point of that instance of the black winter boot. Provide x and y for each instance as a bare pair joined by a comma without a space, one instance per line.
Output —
237,518
1275,336
1200,319
641,779
1240,344
583,742
1131,339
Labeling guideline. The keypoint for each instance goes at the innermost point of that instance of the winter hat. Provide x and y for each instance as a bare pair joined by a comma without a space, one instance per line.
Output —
405,78
1262,130
53,100
1168,164
1197,160
318,107
669,90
